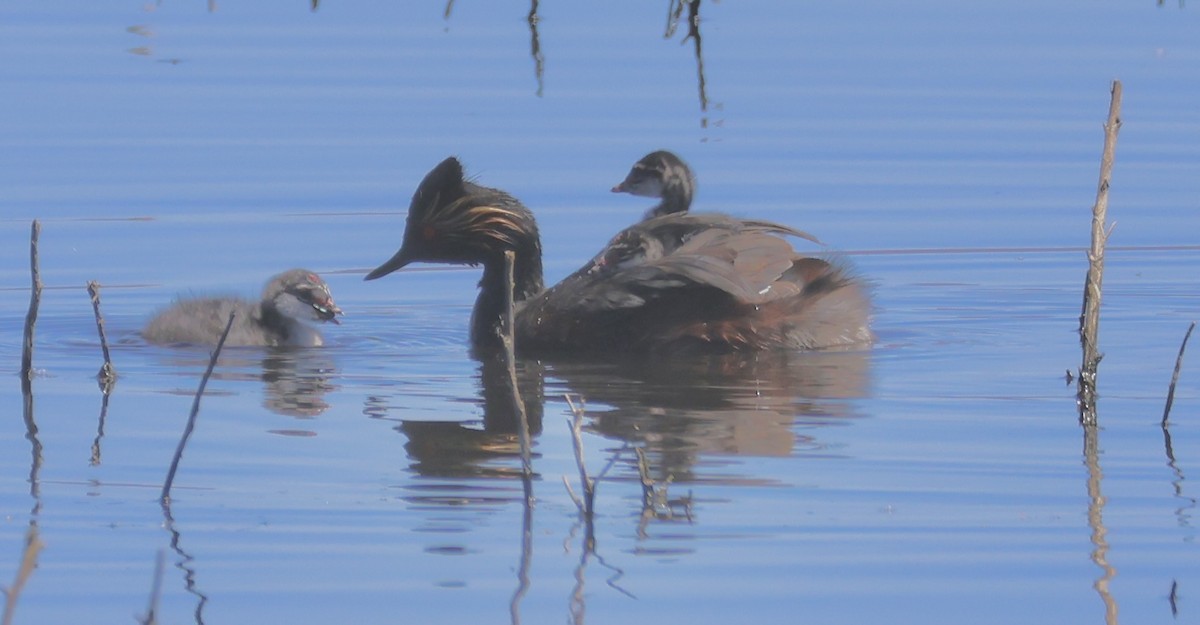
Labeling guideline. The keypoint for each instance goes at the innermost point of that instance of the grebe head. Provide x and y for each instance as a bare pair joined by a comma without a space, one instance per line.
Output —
661,174
452,220
303,295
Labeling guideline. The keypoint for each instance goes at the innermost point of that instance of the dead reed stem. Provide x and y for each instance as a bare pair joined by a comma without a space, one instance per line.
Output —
29,559
587,504
35,299
1089,319
107,375
1175,375
508,353
510,358
191,422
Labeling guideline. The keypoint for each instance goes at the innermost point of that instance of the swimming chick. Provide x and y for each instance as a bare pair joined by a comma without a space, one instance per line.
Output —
289,302
669,284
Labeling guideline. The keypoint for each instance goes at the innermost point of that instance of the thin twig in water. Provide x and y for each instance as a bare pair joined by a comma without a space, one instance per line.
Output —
1175,375
35,298
587,506
518,406
191,422
107,375
508,341
33,545
571,493
1089,318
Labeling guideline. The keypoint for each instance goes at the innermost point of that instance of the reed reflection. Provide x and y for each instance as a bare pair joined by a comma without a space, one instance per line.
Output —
535,44
674,11
674,15
185,562
35,444
106,393
481,449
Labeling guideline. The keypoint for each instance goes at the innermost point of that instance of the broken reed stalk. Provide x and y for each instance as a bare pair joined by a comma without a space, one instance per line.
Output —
1089,318
35,299
586,506
1175,375
510,360
107,374
191,422
29,556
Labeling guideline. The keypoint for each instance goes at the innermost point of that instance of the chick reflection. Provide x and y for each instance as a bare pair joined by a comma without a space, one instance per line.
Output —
455,449
744,404
296,381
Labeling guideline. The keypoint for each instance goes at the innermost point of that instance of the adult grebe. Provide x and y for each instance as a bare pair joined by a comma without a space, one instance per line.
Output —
675,283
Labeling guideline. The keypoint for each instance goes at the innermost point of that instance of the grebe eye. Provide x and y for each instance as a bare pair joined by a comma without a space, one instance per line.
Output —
428,233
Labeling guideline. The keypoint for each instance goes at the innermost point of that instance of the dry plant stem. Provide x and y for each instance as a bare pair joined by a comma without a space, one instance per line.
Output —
35,298
587,506
191,422
1089,321
1175,375
571,493
510,359
107,373
33,545
518,406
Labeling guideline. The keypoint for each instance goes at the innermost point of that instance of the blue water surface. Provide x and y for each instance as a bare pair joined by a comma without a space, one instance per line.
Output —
949,151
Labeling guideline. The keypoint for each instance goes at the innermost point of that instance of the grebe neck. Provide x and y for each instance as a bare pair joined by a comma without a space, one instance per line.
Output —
489,306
